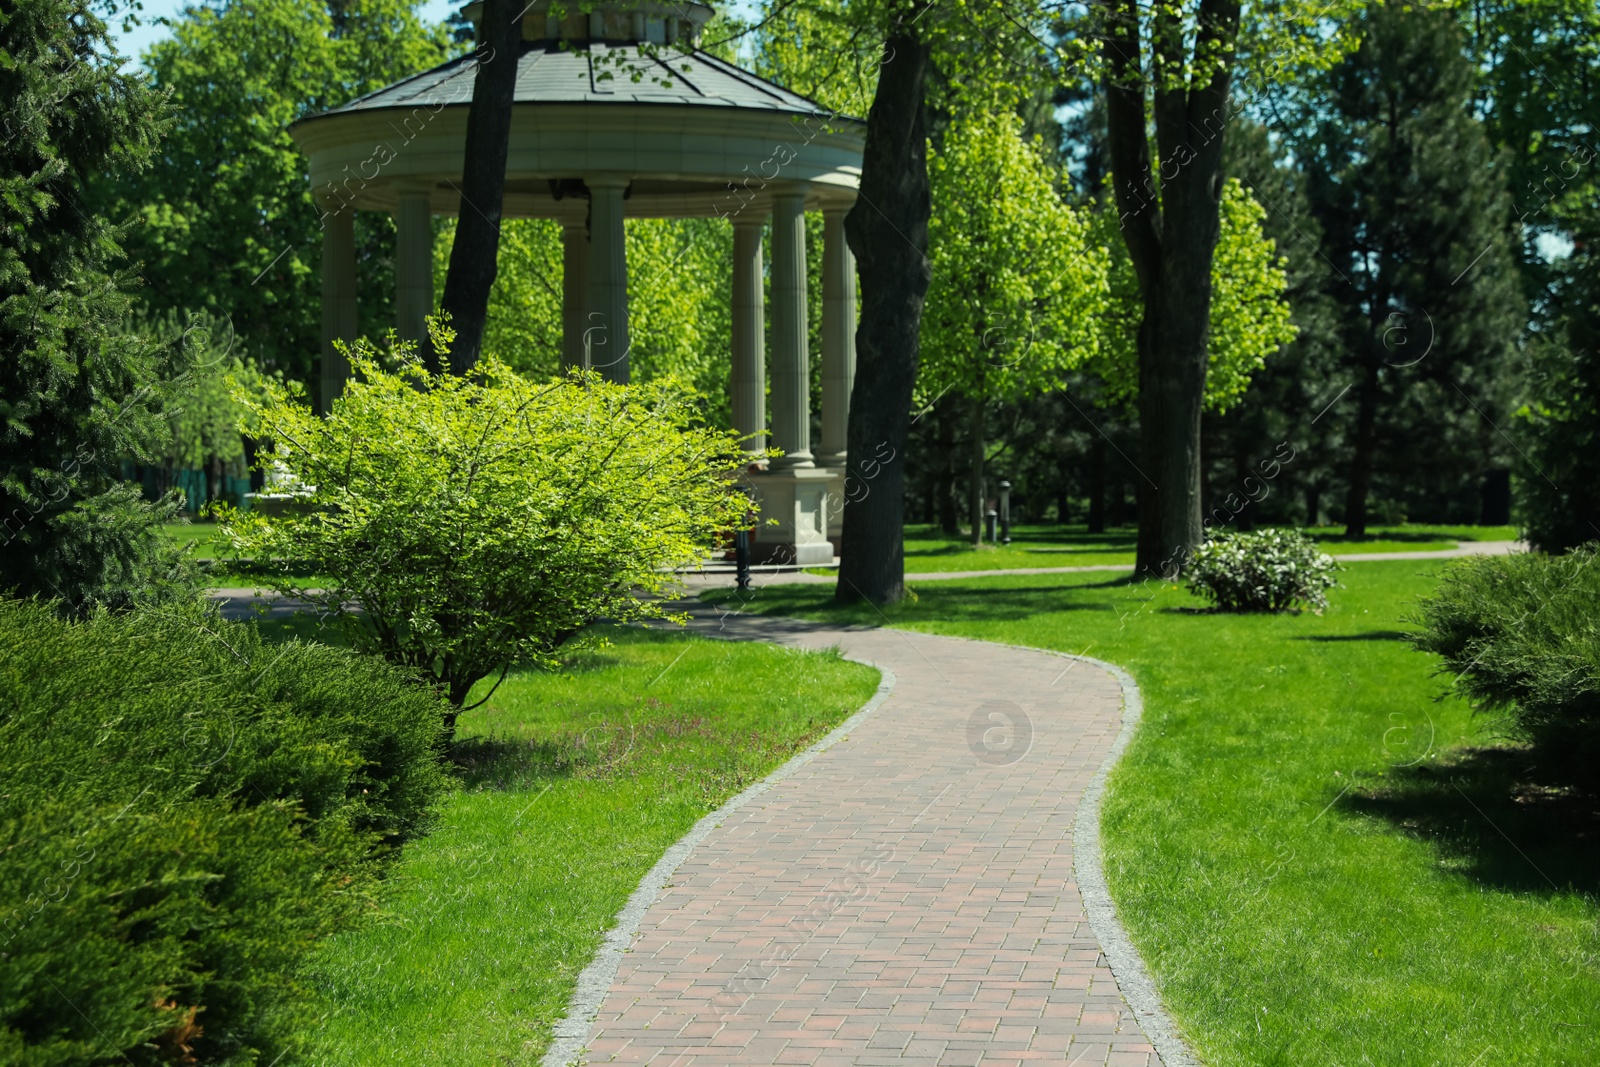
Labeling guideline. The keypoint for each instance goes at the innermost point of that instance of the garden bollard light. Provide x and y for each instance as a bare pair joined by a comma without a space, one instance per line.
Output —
989,518
741,553
1005,513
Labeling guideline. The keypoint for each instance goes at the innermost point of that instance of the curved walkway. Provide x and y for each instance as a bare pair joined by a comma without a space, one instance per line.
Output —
908,895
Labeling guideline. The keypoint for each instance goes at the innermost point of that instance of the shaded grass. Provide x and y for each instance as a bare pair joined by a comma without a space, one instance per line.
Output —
928,550
1322,861
572,786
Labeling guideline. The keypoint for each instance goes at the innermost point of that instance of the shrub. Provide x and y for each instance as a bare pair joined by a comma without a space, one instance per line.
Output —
184,812
1521,636
466,524
1268,570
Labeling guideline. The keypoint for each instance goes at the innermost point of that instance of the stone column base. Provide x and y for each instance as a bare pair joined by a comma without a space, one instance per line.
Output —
800,500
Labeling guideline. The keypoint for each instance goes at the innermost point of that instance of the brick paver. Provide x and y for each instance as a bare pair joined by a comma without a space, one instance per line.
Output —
906,897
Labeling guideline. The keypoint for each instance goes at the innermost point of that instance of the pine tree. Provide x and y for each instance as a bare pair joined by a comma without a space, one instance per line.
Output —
1413,205
78,391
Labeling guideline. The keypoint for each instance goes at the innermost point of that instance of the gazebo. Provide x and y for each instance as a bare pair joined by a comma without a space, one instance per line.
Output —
618,115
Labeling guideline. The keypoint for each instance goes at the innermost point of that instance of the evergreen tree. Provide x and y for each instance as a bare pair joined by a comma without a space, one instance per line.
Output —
78,392
1413,206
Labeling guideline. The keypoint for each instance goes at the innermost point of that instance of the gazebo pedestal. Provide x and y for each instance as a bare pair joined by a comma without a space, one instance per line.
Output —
800,499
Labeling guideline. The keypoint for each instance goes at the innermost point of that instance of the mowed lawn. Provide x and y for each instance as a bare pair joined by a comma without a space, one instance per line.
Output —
572,786
928,550
1323,862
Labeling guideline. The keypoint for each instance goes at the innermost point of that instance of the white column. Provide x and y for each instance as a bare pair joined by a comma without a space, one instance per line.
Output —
749,385
606,327
838,336
413,265
574,291
791,356
339,321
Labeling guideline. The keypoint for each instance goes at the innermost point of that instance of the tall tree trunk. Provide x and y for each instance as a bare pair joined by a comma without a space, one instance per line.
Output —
949,517
1355,504
476,249
1097,486
1171,237
975,474
888,231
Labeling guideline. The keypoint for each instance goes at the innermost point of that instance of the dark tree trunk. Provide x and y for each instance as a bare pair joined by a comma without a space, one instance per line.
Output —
975,471
949,516
1496,499
1366,441
1242,474
476,249
1097,486
1063,506
1313,503
888,231
1171,237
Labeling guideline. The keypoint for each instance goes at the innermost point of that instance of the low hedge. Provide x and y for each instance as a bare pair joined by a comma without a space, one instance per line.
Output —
185,811
1521,636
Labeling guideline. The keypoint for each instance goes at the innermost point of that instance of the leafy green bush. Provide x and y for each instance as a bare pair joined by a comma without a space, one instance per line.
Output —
466,524
184,812
1521,635
1268,570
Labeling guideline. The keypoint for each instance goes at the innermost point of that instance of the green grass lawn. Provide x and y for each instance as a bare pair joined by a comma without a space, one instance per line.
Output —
573,785
1322,863
928,550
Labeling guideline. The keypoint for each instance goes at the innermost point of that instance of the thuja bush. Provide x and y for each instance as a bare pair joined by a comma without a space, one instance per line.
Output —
1520,635
185,812
1266,570
460,526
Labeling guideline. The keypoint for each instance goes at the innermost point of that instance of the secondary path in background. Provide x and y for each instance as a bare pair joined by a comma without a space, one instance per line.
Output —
718,578
906,896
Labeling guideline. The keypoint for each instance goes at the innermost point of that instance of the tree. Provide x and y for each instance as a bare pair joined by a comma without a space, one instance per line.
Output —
888,232
223,220
1248,319
1416,219
475,252
78,391
486,521
1017,286
1181,84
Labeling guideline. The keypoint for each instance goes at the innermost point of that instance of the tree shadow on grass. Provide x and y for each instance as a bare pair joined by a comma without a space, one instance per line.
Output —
1370,635
1502,817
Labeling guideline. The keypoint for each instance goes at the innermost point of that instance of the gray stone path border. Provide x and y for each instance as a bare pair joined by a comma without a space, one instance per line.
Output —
594,981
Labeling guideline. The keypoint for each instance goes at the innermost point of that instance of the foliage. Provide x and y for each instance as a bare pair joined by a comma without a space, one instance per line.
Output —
1519,635
679,277
78,392
225,220
184,814
1267,570
1250,319
465,526
1410,197
1558,488
1017,285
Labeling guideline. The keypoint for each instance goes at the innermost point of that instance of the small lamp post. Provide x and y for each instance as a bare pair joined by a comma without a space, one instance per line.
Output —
1005,513
741,547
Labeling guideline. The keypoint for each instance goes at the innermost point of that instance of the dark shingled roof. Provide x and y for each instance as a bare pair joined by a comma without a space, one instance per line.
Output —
598,74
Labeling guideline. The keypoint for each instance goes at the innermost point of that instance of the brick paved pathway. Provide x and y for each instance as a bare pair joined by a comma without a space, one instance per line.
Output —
907,896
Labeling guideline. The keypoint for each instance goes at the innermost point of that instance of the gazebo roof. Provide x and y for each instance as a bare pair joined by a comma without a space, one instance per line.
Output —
621,92
552,72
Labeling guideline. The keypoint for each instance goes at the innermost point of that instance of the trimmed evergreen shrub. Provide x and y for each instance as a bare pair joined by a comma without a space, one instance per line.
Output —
1521,635
185,811
1267,570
